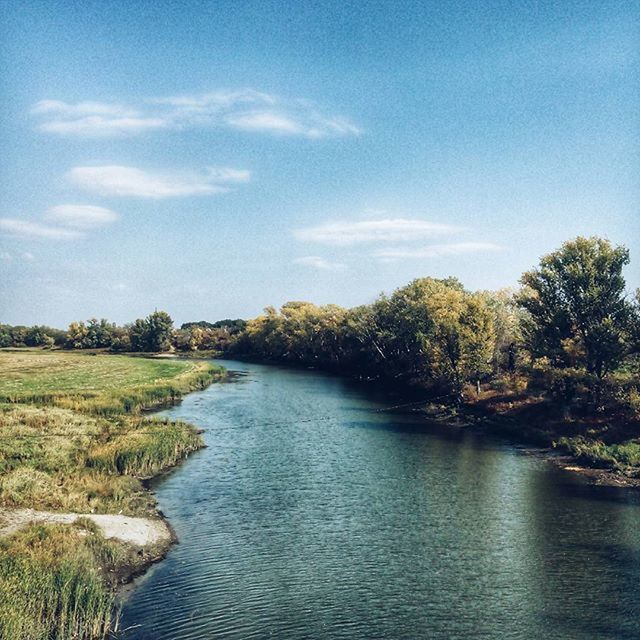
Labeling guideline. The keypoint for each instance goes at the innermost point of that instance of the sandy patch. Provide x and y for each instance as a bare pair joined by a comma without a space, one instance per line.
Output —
142,532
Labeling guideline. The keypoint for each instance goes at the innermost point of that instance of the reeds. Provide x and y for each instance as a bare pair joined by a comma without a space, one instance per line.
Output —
72,438
53,583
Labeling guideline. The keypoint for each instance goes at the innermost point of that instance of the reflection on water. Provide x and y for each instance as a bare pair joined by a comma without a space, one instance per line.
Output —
311,515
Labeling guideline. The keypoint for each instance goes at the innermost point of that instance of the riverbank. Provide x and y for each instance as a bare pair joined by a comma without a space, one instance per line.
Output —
586,444
601,446
76,451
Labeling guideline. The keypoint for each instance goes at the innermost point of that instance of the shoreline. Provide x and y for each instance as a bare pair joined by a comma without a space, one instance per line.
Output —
477,415
139,533
503,425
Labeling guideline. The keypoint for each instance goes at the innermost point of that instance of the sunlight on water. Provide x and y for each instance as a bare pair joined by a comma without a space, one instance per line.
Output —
310,515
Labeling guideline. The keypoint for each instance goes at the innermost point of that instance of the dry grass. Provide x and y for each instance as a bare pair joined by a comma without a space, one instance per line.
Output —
72,439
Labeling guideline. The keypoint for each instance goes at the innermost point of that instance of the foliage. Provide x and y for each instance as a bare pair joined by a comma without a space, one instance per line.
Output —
232,325
151,334
577,312
431,331
95,334
36,336
595,452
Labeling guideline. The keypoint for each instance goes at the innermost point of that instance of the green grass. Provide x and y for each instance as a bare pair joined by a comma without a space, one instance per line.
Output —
73,438
98,383
624,456
54,583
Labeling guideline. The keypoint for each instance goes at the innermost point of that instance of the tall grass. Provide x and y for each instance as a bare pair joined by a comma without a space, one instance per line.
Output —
72,439
160,444
53,583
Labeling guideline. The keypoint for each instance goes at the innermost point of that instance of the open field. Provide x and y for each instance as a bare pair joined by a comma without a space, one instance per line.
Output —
72,439
97,383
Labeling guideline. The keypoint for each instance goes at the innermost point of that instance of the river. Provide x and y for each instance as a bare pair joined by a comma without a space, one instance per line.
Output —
314,515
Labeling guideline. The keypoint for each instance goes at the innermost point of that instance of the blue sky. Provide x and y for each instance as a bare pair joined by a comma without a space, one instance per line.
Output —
210,158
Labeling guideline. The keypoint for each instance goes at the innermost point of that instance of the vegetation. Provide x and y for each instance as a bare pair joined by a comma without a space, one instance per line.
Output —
559,360
73,439
561,354
155,333
52,583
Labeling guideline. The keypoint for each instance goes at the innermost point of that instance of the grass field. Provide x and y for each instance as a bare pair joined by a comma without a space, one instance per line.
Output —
73,438
56,376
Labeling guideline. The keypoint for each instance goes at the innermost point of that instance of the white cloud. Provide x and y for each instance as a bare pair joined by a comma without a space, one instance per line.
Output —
265,121
98,126
226,174
436,250
317,262
27,228
216,100
367,231
65,109
129,181
244,109
81,216
94,119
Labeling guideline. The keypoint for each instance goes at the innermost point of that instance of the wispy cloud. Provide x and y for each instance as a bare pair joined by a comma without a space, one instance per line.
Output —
130,181
81,216
436,250
246,109
317,262
79,109
5,256
346,233
28,228
99,126
94,119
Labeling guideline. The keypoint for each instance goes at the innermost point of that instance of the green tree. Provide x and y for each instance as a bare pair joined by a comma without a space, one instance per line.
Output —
138,335
577,311
159,331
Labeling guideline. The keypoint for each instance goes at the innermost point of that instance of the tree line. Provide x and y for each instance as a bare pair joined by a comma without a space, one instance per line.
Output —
152,334
571,329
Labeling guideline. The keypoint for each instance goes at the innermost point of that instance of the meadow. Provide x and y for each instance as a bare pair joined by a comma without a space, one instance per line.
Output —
73,437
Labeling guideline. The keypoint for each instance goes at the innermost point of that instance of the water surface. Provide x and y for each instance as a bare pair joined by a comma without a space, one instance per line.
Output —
312,514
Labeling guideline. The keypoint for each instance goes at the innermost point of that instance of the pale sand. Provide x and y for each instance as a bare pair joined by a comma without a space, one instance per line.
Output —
142,532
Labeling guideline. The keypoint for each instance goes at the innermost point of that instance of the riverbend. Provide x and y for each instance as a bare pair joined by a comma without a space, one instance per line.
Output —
313,514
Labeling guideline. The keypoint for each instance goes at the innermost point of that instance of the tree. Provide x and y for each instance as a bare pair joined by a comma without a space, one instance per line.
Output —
160,331
577,311
154,333
138,334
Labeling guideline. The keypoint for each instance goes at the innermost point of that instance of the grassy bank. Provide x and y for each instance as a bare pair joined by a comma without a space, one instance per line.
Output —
74,438
606,439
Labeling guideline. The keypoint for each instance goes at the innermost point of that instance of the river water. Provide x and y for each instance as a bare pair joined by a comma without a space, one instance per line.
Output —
312,514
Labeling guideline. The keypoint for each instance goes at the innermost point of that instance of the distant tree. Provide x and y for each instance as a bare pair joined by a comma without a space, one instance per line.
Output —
138,335
99,333
576,306
154,333
6,339
160,329
94,334
120,339
36,336
77,335
203,324
507,322
237,324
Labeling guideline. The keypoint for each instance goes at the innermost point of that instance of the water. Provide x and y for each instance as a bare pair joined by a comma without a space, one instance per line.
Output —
312,516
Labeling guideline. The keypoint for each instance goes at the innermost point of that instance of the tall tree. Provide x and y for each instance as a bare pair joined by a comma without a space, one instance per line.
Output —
577,311
159,331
